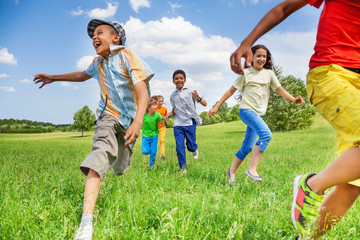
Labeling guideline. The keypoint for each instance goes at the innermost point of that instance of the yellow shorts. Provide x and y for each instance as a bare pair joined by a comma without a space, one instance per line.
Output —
335,92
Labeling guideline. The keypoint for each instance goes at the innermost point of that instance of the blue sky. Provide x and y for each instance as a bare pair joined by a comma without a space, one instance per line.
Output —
42,36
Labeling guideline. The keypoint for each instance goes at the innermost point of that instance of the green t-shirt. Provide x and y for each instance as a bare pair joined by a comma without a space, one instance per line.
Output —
150,126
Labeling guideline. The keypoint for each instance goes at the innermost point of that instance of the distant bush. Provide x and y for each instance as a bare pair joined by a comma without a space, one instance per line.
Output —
283,115
26,126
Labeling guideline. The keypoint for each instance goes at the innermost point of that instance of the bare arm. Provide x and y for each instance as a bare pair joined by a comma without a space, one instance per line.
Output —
198,98
170,114
142,101
225,97
285,94
70,77
269,21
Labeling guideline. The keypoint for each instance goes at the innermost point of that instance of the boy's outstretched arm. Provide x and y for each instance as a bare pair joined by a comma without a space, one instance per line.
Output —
285,94
70,77
226,95
270,20
142,101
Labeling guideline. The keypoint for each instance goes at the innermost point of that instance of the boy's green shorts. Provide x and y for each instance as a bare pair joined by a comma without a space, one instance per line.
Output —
335,92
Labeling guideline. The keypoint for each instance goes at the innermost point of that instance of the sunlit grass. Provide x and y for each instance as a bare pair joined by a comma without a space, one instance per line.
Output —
42,188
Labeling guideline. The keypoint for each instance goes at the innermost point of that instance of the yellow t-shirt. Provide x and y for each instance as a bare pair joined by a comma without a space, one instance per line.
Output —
256,87
163,111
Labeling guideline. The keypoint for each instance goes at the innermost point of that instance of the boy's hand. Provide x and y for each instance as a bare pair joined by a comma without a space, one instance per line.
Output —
235,59
132,132
44,78
195,94
299,100
212,111
164,121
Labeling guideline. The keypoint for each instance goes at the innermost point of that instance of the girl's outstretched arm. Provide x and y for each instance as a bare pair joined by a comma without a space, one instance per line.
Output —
226,95
285,94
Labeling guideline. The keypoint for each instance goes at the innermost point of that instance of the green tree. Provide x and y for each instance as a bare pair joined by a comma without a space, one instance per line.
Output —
84,119
222,111
285,115
205,118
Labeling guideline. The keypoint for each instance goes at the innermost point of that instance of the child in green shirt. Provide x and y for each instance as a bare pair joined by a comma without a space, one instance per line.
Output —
150,131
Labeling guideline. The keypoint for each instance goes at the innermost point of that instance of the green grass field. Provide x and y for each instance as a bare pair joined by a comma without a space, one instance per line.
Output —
42,188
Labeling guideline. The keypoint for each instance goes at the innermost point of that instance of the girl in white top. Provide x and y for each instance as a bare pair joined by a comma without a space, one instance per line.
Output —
255,85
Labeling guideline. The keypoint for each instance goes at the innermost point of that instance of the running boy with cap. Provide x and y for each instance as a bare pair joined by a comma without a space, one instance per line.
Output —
124,93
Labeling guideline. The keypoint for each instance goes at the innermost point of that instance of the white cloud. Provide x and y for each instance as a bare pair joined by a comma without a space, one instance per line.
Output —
65,84
103,13
4,75
6,57
174,6
180,44
77,12
136,4
7,89
26,81
291,50
84,62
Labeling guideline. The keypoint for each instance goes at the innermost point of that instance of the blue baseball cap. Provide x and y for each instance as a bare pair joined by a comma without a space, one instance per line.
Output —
93,24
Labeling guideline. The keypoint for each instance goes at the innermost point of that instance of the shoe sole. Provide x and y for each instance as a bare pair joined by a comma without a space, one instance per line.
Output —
293,206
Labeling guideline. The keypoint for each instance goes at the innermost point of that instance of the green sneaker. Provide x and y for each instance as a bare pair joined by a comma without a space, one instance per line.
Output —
306,205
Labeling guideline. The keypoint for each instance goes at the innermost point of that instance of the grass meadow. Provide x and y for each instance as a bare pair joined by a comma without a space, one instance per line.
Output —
42,188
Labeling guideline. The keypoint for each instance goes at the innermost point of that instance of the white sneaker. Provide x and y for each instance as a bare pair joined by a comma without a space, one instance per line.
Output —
195,154
84,232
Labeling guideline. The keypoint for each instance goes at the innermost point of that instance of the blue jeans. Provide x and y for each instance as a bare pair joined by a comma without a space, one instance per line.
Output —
149,145
255,127
181,133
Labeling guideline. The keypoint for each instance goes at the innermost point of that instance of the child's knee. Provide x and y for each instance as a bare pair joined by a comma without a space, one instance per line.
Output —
268,136
145,152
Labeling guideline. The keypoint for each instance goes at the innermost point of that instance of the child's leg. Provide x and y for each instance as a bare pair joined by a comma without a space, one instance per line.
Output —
92,187
249,140
153,150
145,146
246,147
162,133
334,207
255,160
257,124
190,136
180,145
345,169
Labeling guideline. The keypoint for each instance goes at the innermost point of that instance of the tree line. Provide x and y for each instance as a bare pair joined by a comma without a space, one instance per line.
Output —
282,115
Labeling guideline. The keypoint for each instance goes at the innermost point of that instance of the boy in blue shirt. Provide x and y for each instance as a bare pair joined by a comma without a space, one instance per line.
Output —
124,93
186,118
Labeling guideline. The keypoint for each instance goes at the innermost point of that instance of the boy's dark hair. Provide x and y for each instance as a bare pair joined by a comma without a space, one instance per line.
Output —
179,72
269,61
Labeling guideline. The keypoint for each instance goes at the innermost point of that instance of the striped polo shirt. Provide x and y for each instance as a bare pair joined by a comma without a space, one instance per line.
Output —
117,78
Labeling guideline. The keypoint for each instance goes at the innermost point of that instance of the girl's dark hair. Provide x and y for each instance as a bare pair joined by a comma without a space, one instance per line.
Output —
269,60
179,72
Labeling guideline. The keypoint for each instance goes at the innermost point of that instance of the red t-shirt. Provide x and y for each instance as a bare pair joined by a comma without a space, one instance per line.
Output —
338,35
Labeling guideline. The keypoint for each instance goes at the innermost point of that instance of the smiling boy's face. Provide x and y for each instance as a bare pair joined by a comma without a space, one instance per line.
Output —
179,81
103,36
